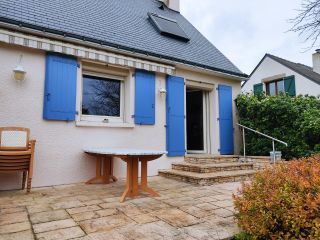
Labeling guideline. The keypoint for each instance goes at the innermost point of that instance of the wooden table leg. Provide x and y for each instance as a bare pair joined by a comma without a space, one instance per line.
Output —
144,179
135,170
127,191
111,171
106,170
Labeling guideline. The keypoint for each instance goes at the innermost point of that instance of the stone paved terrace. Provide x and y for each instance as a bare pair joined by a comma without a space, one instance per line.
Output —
93,212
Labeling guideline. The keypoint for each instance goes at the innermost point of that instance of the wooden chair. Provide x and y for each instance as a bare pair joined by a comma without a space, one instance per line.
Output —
17,153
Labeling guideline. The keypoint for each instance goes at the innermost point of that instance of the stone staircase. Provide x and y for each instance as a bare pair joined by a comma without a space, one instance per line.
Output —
210,169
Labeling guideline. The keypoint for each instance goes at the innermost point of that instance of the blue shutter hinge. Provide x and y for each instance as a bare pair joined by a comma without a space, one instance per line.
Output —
218,119
132,116
133,75
184,116
165,126
217,89
48,96
219,150
77,112
78,65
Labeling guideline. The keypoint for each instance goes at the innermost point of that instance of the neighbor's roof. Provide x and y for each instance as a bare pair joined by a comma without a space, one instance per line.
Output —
299,68
122,24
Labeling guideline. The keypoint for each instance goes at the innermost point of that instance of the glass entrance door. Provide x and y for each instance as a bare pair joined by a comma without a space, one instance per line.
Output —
196,121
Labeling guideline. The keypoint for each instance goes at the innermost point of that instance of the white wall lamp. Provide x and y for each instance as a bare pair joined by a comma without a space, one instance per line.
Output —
19,73
162,92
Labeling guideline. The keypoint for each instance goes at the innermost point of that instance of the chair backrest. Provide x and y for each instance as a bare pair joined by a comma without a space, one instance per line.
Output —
14,138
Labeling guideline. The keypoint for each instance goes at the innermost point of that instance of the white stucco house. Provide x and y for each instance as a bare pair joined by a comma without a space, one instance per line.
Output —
274,74
116,73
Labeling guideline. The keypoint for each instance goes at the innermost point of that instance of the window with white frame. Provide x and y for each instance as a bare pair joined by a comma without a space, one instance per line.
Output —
102,98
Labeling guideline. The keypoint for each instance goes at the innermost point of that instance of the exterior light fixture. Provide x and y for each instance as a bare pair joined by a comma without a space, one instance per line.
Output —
19,73
163,91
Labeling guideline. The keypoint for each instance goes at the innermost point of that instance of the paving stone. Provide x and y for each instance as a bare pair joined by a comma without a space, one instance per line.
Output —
206,206
195,211
203,231
24,235
12,210
92,202
113,204
183,212
144,218
131,210
107,212
111,199
105,223
39,208
10,218
48,216
176,217
84,216
155,231
206,199
110,235
54,225
61,234
83,209
223,212
15,227
223,197
223,203
67,204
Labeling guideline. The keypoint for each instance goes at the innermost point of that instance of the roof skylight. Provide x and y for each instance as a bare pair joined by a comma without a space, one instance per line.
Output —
168,27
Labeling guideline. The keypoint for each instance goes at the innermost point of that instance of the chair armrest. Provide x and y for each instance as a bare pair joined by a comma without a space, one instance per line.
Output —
32,144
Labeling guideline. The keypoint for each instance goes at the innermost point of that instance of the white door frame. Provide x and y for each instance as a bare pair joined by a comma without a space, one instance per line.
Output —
206,121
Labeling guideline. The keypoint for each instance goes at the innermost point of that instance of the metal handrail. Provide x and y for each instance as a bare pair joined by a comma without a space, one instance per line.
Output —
262,134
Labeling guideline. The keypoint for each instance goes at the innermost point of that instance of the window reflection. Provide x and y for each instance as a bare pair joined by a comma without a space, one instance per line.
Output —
280,86
275,87
272,89
101,96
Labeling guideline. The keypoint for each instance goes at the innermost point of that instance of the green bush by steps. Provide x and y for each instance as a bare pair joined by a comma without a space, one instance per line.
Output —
295,120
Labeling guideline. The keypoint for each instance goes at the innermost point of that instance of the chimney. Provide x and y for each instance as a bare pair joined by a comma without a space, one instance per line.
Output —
316,61
172,4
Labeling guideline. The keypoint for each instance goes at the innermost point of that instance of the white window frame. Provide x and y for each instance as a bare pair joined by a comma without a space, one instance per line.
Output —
104,119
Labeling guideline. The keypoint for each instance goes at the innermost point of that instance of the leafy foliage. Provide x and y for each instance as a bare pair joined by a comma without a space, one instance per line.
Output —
292,120
282,202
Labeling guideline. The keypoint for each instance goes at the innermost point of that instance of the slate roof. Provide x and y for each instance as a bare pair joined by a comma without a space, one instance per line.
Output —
122,24
299,68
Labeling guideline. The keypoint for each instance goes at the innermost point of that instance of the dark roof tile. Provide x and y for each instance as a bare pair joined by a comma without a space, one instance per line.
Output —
302,69
118,22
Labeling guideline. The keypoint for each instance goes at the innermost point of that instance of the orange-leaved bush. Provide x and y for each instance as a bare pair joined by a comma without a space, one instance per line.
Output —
282,202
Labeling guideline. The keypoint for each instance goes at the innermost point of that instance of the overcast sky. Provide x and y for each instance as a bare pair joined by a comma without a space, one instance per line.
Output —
244,30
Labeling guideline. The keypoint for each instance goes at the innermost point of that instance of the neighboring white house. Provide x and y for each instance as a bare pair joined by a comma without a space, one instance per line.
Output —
273,75
113,73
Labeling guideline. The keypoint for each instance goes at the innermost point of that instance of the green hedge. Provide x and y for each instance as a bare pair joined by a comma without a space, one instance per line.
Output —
295,120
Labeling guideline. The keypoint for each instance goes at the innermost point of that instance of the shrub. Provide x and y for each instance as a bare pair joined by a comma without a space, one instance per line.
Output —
282,202
295,120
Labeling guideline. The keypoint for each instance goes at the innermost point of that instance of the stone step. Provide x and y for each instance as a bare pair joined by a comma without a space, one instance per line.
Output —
213,167
208,178
207,159
210,159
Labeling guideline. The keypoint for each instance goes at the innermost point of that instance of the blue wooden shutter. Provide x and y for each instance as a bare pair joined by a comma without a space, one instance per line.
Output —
290,86
60,88
226,120
175,116
145,90
258,89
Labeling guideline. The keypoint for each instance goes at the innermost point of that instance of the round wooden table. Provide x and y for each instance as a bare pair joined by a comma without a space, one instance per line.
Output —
104,168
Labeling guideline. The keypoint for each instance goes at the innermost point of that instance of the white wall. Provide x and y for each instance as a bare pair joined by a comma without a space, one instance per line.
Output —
59,158
270,67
